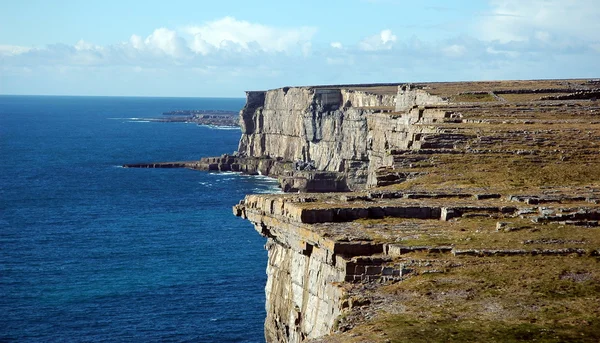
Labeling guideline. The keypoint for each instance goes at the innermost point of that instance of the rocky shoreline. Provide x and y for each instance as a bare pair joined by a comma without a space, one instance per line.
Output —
462,211
218,118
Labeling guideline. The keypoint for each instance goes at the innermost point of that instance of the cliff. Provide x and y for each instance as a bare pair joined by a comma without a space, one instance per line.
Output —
464,211
326,126
474,214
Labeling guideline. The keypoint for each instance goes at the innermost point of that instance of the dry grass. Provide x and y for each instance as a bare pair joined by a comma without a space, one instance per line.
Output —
526,151
480,233
508,173
451,88
502,299
470,97
527,97
514,147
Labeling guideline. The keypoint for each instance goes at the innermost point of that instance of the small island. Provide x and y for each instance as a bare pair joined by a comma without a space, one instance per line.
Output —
220,118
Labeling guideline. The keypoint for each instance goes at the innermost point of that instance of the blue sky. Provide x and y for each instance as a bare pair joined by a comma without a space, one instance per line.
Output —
221,48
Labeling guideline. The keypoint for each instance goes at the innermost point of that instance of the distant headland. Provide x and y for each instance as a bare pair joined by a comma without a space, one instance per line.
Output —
201,117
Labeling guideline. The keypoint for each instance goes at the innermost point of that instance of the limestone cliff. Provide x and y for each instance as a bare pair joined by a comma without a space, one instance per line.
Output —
303,295
474,216
477,206
323,125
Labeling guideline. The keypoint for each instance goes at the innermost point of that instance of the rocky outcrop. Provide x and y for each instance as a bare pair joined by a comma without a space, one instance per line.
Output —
306,270
326,126
479,196
303,292
335,259
410,96
329,254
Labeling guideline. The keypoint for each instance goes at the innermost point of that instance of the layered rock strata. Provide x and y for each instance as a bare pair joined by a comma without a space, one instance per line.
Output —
467,183
325,126
473,214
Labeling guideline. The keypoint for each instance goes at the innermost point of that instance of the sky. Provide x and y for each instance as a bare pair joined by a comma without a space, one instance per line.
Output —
221,48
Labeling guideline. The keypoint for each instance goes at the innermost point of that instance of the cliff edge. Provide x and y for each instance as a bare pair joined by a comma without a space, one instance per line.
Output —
473,212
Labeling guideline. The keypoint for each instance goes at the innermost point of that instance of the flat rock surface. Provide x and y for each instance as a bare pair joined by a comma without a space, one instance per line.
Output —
509,247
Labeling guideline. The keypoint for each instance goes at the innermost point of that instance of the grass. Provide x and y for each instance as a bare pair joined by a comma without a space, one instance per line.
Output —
507,174
503,294
501,299
479,233
515,157
450,88
514,148
527,97
450,330
470,97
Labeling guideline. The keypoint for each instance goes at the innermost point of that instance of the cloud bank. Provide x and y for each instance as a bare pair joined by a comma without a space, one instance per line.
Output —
514,40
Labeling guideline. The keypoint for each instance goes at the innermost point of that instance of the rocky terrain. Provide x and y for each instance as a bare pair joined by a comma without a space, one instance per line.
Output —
470,211
200,117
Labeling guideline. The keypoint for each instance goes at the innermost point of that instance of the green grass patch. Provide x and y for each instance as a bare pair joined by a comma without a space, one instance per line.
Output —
402,328
473,97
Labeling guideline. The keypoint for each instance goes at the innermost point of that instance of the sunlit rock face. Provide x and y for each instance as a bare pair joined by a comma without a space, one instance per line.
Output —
326,126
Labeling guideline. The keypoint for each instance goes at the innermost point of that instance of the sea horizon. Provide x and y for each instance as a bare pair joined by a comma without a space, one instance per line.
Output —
120,96
95,252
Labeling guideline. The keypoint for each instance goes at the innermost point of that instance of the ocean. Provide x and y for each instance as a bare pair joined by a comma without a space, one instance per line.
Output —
92,252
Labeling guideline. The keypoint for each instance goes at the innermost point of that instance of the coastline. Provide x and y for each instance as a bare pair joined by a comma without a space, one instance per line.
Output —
467,207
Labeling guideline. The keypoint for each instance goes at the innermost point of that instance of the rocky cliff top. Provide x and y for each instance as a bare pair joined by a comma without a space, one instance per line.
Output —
480,220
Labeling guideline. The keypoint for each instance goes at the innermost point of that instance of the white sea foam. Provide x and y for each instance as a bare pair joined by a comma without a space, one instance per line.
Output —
127,118
270,190
266,181
215,127
223,173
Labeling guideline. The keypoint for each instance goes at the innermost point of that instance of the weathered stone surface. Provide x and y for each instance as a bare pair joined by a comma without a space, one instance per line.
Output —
445,177
303,299
326,126
410,96
380,236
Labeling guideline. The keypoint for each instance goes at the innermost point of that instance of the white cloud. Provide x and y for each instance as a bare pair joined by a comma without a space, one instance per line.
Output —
387,36
518,20
136,42
238,35
382,41
515,42
83,45
454,50
164,41
11,50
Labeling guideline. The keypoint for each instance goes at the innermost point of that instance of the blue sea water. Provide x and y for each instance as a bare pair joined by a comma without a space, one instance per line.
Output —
91,252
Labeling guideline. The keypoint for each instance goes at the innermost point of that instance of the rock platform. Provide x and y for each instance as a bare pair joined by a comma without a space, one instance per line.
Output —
436,212
474,214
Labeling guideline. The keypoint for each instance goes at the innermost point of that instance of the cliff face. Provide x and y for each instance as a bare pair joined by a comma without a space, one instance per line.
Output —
326,126
462,188
303,296
346,131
